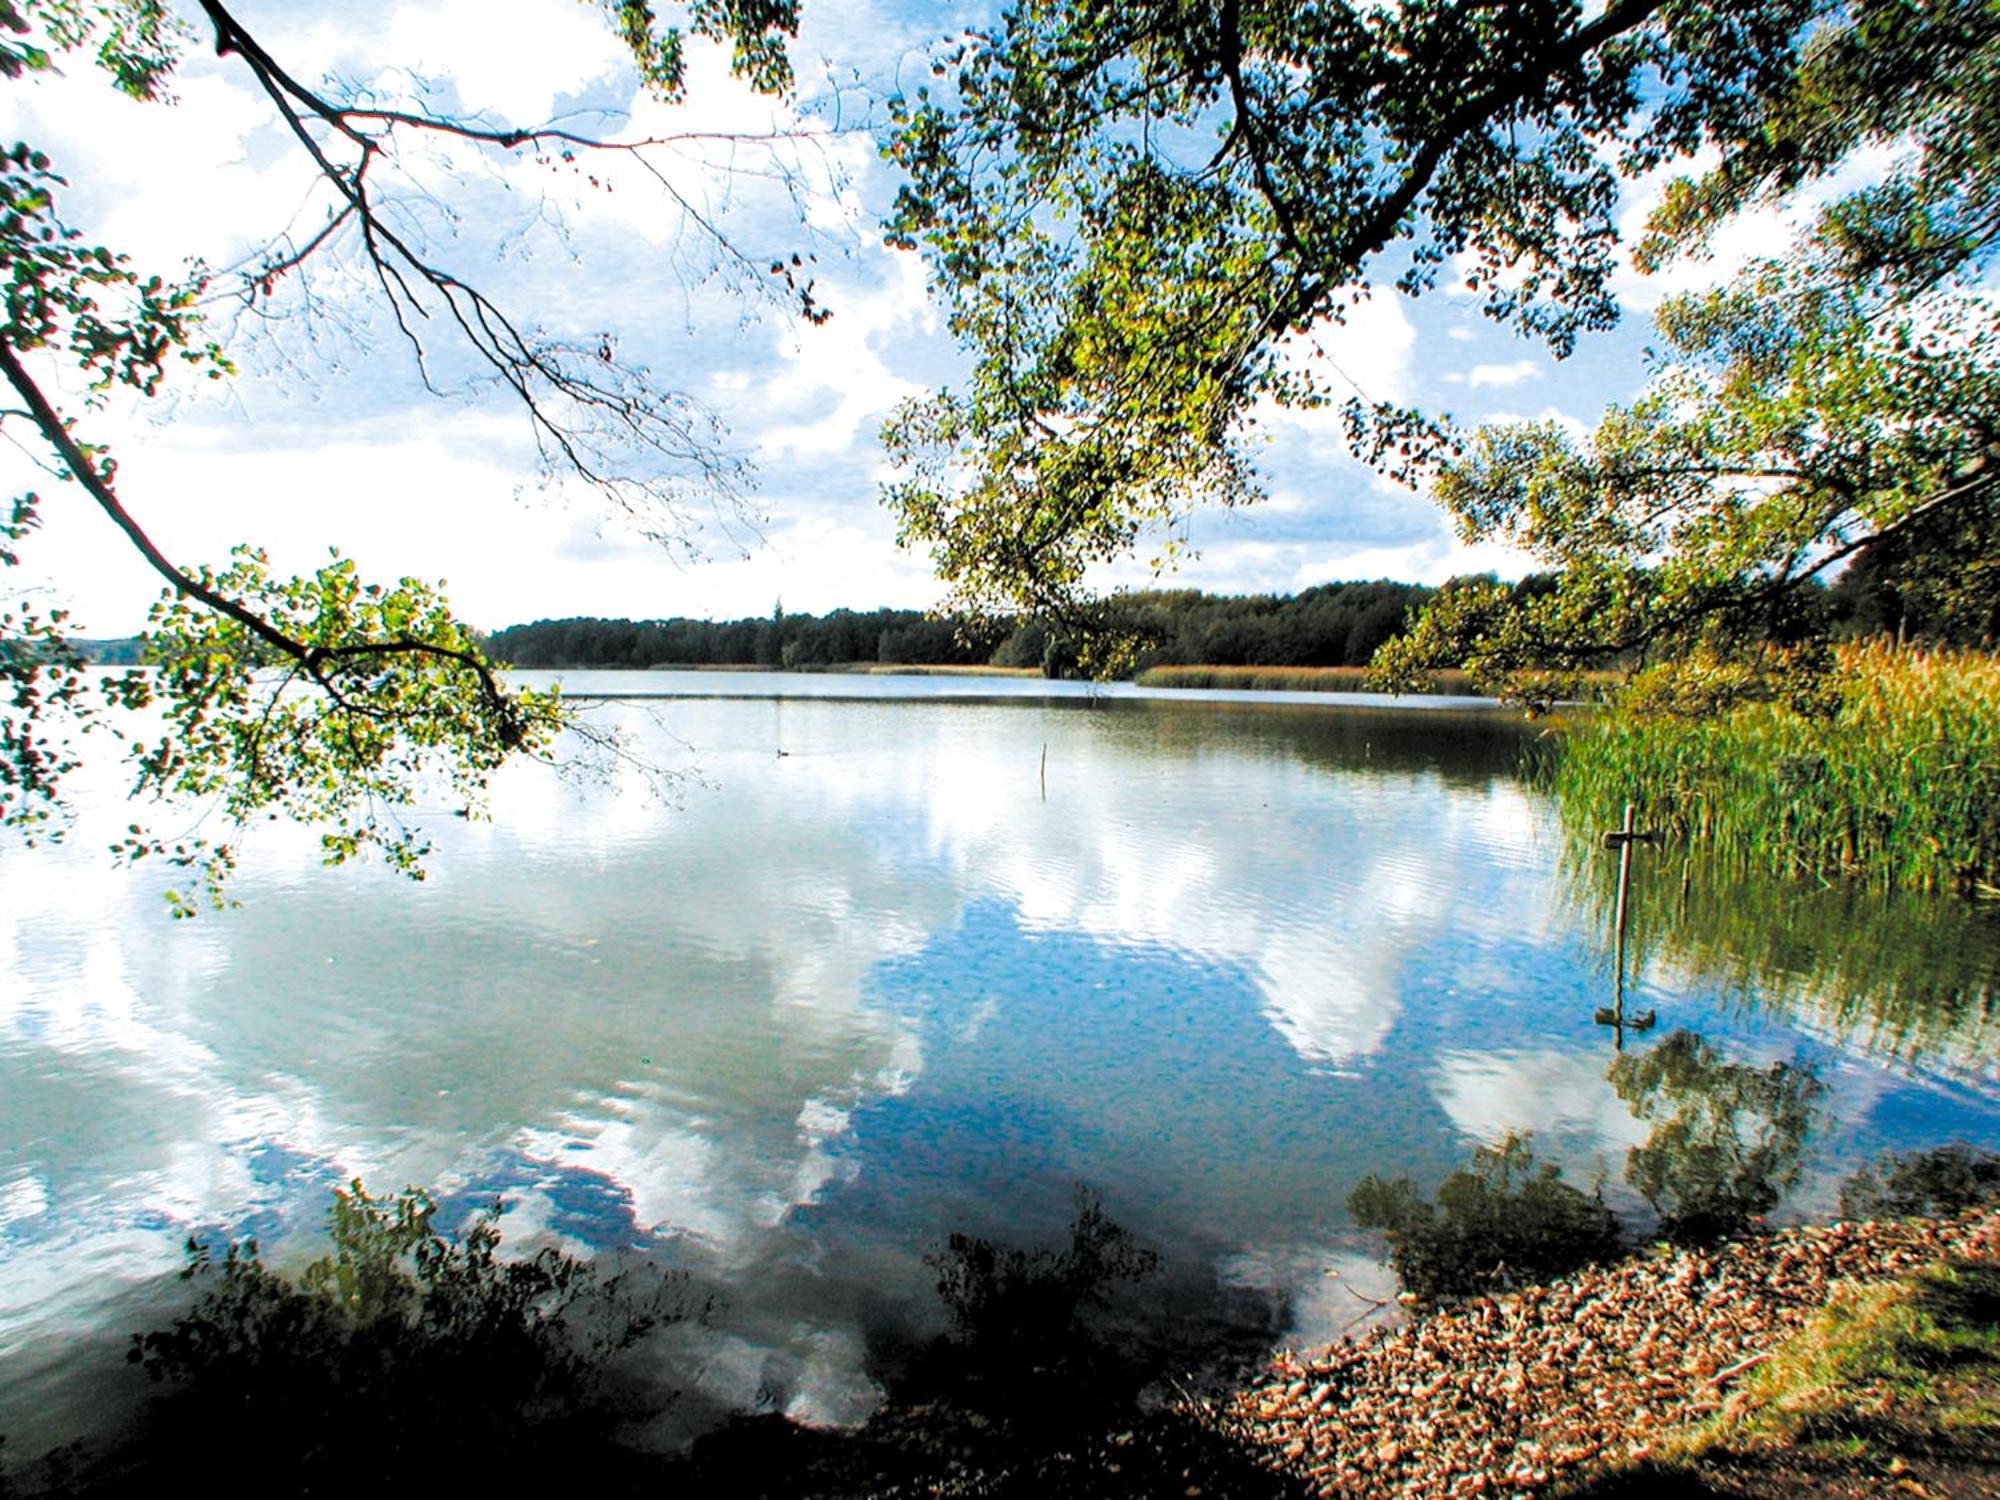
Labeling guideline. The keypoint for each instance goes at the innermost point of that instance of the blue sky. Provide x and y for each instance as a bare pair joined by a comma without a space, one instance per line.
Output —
327,438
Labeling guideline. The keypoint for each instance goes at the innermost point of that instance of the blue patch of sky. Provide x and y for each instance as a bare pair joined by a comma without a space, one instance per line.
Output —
583,1204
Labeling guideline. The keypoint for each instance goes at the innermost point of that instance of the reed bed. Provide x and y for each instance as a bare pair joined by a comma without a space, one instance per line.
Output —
1283,679
933,669
1899,787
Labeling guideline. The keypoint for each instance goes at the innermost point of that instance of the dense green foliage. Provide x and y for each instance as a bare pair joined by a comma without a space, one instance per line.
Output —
1831,404
1503,1220
1331,625
1328,625
782,640
1334,624
1137,215
1933,588
1890,773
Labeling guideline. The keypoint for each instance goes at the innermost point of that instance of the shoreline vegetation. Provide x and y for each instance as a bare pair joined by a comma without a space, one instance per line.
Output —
1329,626
1838,1359
1189,676
1889,776
1285,679
1334,624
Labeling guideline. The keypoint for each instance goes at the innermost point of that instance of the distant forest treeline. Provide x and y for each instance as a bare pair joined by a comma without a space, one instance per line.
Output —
1332,625
1335,624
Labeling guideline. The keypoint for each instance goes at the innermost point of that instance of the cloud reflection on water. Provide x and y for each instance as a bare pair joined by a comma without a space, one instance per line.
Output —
823,999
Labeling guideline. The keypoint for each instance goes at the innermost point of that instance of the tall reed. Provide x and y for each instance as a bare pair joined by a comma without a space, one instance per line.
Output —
1899,786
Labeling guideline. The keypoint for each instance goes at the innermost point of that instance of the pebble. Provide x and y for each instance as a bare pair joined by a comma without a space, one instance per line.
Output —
1519,1393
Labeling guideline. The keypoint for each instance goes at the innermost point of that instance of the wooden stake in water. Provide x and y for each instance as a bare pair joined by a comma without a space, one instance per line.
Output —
1045,770
1622,839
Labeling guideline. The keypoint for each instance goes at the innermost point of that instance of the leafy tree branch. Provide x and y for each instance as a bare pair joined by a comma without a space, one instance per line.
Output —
1832,407
323,698
1127,286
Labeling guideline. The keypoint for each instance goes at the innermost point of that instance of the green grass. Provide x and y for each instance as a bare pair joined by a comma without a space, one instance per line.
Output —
1897,787
1883,1378
1928,1346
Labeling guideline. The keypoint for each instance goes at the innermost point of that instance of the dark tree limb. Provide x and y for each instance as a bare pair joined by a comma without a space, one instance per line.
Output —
312,659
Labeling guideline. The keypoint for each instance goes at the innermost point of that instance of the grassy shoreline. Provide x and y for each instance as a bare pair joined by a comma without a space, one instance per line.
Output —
845,668
1240,679
1896,784
1284,679
1889,1388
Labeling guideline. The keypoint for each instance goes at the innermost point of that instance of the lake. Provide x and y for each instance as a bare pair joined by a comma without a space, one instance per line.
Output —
825,973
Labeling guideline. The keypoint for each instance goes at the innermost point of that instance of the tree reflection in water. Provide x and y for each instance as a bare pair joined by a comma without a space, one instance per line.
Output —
1726,1138
1905,975
1725,1145
1941,1182
1502,1220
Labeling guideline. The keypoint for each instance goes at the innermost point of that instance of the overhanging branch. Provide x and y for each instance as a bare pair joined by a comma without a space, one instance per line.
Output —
311,659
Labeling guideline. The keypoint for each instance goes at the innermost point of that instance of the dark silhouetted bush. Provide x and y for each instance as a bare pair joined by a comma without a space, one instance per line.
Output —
404,1355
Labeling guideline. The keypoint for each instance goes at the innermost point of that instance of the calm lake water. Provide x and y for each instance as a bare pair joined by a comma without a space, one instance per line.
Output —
868,974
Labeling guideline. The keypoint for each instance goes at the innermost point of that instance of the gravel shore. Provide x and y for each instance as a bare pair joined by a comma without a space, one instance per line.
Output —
1512,1395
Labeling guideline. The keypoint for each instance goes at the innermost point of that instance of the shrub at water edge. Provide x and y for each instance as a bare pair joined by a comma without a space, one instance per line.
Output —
404,1355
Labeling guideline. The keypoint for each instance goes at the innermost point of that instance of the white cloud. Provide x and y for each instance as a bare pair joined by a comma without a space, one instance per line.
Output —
842,359
514,61
814,562
1760,233
1466,264
1556,1095
1502,375
1370,353
1575,426
165,183
1428,562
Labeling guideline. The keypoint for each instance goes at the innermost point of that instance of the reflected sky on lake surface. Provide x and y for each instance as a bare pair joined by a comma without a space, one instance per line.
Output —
856,983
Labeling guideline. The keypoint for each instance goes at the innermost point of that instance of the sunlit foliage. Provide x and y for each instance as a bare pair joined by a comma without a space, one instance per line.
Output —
321,698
